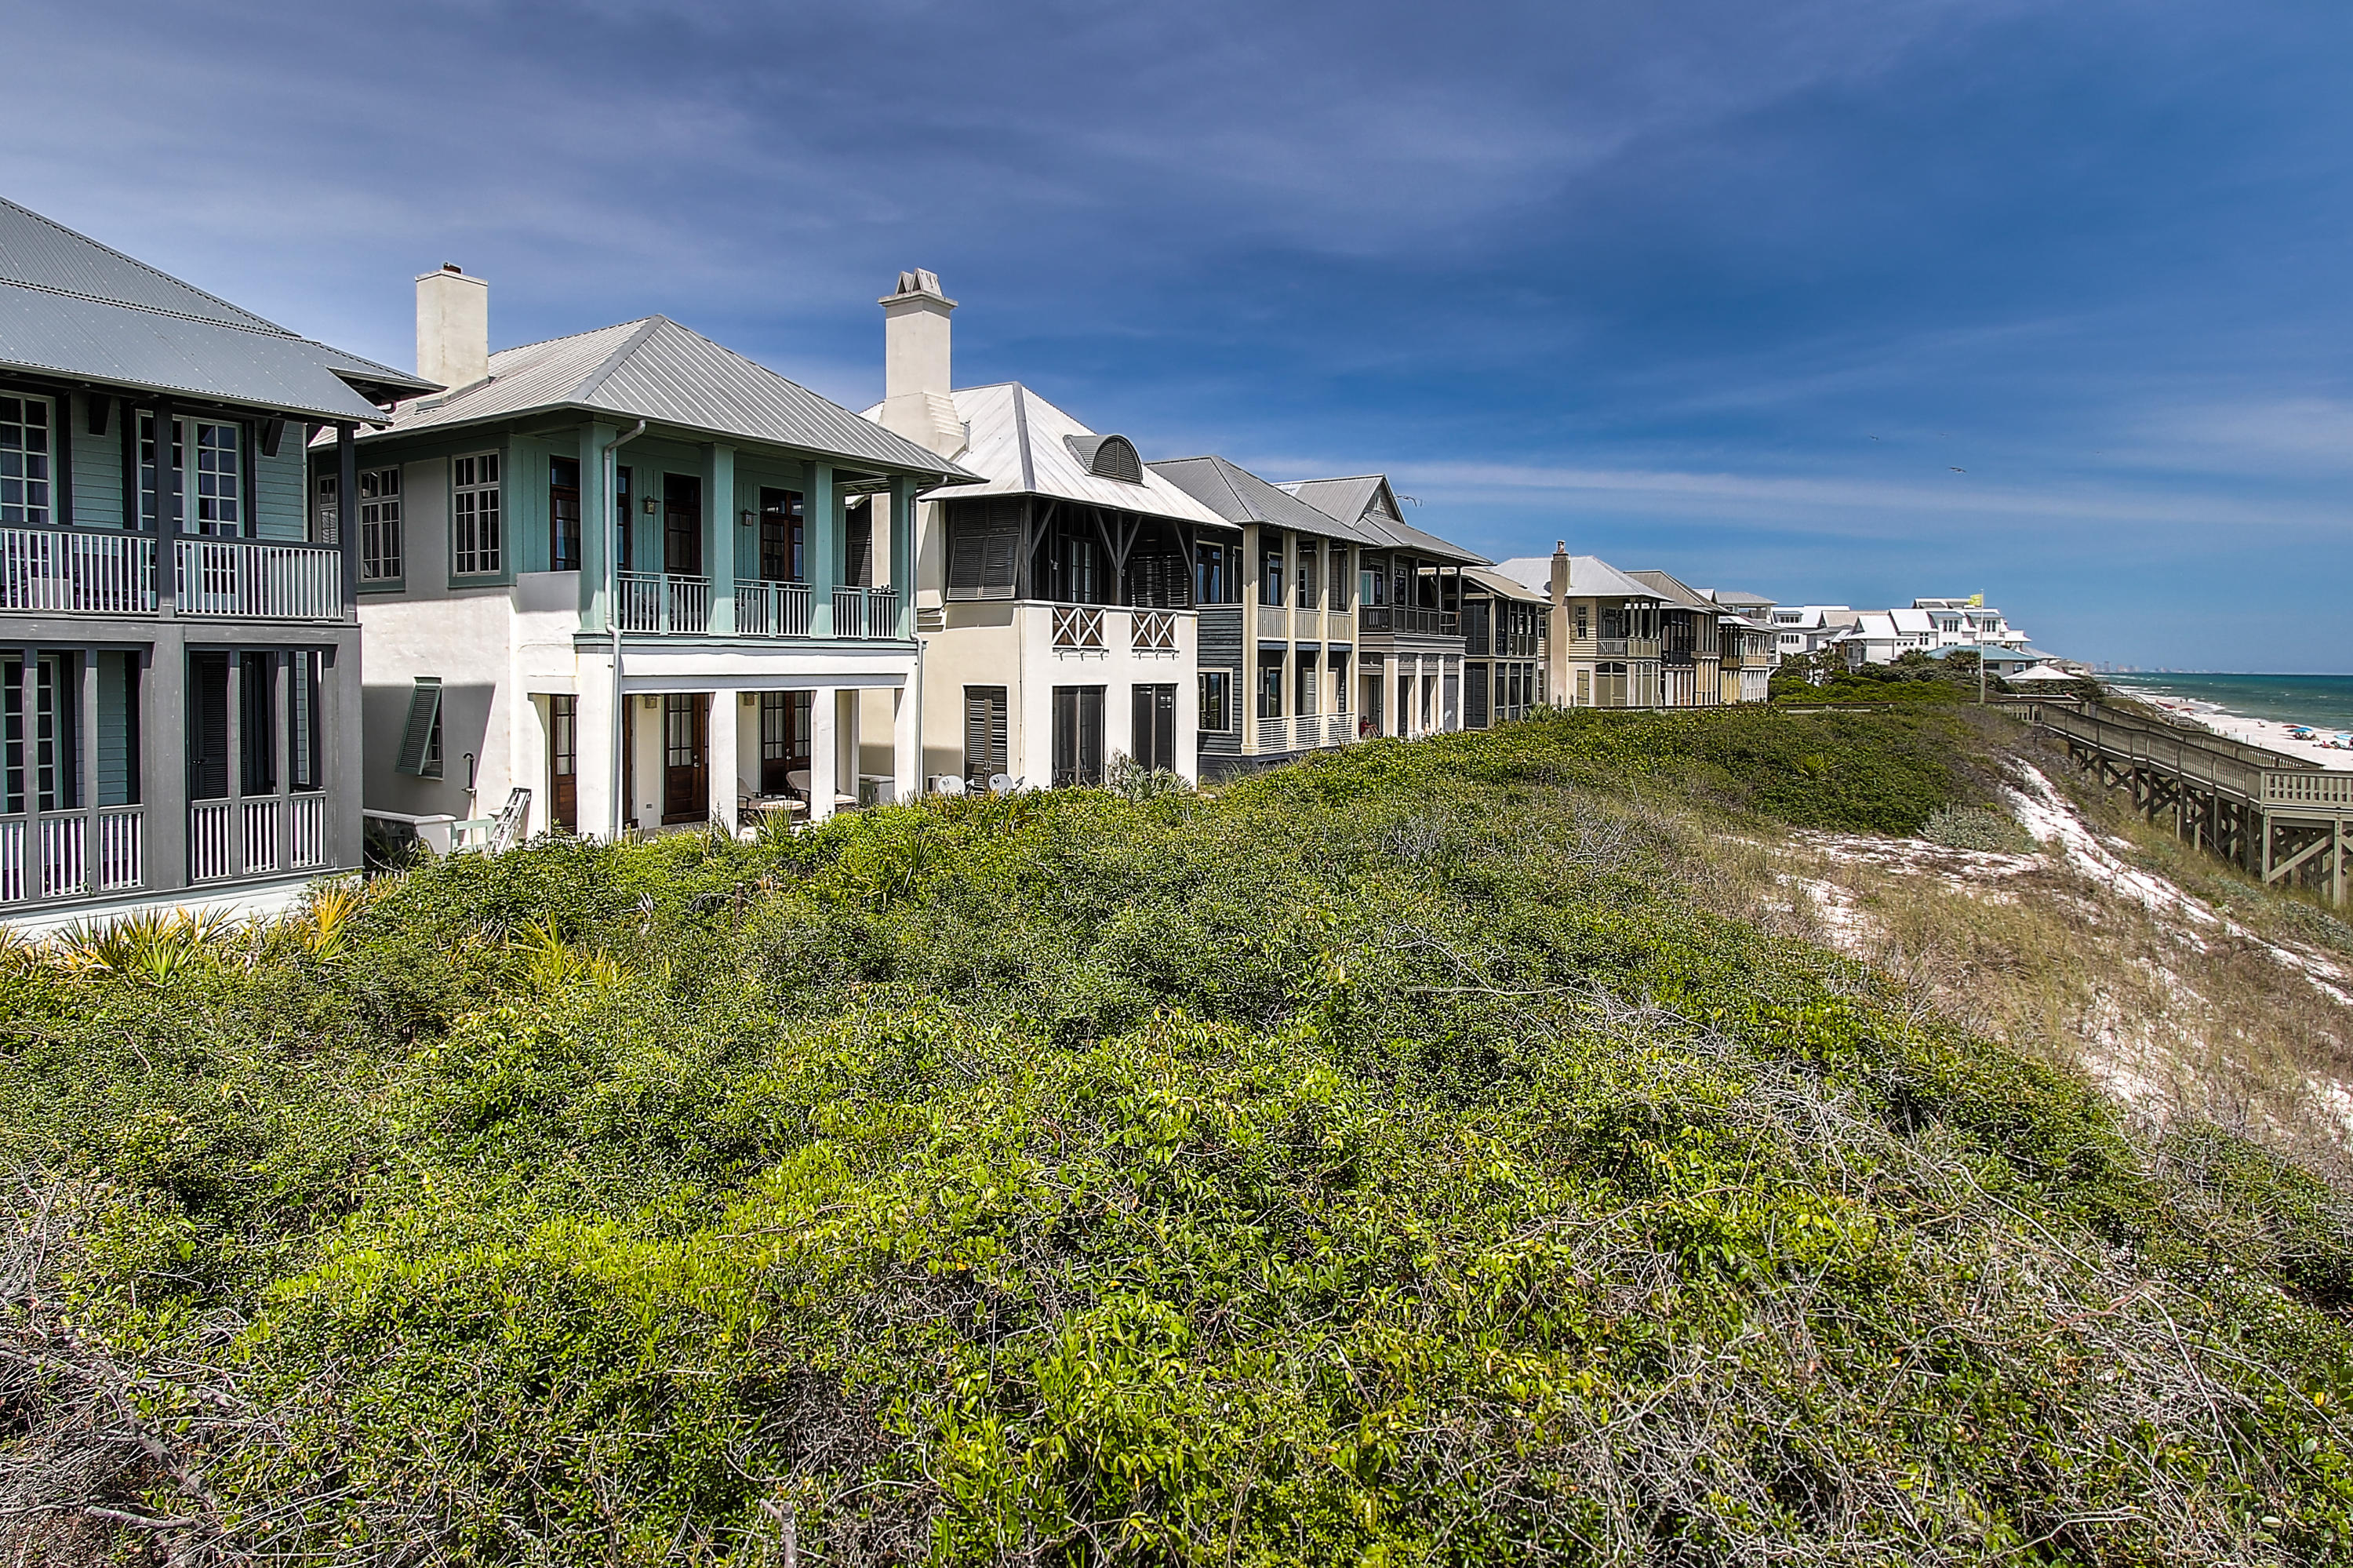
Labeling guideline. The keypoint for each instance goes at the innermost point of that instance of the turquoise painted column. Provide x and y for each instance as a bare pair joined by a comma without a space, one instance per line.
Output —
824,522
722,530
596,524
902,553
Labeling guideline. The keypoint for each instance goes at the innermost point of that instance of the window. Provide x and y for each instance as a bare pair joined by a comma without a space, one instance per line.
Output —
380,533
1211,575
57,740
420,737
474,527
1340,575
1303,682
25,460
564,515
622,530
783,536
1307,574
1475,696
1373,584
257,725
212,500
1217,701
1153,732
327,521
1270,688
1339,683
1270,581
984,545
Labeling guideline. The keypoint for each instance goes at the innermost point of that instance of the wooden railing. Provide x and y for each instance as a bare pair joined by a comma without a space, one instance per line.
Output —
1273,623
257,835
1155,631
67,854
771,610
49,571
1078,626
248,579
669,602
866,612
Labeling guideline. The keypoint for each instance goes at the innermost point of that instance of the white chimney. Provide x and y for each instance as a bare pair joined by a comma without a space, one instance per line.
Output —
453,327
915,379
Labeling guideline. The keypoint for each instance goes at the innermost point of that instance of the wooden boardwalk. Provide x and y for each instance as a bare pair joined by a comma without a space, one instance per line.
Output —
2282,818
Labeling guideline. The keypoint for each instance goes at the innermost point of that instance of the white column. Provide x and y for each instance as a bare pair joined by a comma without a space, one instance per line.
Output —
906,746
594,732
825,751
719,758
846,742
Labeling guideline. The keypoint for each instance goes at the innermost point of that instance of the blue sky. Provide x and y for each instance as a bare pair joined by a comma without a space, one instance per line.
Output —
1839,301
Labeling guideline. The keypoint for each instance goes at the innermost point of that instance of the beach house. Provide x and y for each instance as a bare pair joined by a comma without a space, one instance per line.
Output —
624,581
1604,646
1690,660
179,655
1054,595
1507,632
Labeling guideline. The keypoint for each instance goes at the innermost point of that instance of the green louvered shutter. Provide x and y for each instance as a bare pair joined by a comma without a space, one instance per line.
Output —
424,717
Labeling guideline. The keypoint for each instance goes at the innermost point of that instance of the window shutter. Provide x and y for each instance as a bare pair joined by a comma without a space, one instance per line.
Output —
424,713
983,732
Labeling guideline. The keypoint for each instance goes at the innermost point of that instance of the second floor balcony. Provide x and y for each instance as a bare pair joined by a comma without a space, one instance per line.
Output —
56,571
1409,620
673,604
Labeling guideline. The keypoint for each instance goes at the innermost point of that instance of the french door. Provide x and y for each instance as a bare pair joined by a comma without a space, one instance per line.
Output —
681,524
686,758
1154,742
1077,735
564,763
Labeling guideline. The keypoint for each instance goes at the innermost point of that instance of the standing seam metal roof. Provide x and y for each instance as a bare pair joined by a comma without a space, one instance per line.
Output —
1016,445
72,307
1241,496
656,370
1353,498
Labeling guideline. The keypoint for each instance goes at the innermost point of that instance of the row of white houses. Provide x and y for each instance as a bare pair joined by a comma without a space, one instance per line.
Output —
630,580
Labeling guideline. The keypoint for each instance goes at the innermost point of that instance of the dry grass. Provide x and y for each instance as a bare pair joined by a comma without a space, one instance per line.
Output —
2177,1017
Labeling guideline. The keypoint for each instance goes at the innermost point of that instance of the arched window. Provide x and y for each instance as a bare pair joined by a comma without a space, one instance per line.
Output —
1107,457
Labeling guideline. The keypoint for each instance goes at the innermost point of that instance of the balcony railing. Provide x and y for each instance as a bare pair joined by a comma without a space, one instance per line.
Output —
67,855
1273,623
52,571
47,571
664,602
1078,626
1429,622
866,612
1339,626
1155,631
257,835
771,610
247,579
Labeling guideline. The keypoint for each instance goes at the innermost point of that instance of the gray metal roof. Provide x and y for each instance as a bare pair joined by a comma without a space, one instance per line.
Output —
1674,590
1239,497
1019,444
73,308
1589,577
1496,583
1366,500
658,371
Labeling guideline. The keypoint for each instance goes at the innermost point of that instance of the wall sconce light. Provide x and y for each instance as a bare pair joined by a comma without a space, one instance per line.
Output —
751,699
649,505
651,702
749,516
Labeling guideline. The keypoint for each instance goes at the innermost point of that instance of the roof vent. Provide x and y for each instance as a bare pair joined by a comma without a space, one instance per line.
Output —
1107,457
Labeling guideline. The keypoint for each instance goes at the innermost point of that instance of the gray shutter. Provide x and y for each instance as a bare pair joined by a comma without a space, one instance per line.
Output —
983,732
424,713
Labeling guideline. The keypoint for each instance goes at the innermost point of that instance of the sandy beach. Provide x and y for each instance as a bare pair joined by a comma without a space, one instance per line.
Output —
2267,732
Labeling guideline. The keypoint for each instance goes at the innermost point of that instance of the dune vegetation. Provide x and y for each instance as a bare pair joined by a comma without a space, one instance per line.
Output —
1425,1154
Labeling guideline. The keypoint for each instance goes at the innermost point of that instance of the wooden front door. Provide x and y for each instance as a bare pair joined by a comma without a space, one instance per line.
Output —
686,759
683,524
563,764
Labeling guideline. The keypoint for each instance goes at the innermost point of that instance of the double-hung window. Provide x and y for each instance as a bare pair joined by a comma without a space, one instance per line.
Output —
212,497
25,459
476,540
380,529
1217,701
564,515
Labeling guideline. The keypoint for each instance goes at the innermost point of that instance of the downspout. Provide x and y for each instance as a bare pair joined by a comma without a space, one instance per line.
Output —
613,524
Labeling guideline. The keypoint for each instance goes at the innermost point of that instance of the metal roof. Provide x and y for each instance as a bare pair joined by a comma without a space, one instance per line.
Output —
1589,577
1239,497
1016,445
1737,598
74,308
1673,589
1496,583
1366,500
658,371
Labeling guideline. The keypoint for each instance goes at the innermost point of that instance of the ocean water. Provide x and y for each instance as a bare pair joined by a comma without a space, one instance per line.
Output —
2324,702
